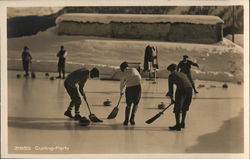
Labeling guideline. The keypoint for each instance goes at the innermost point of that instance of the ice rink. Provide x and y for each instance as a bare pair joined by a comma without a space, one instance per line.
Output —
36,121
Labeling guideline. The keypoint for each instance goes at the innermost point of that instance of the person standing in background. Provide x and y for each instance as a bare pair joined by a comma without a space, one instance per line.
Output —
26,59
185,67
61,62
150,60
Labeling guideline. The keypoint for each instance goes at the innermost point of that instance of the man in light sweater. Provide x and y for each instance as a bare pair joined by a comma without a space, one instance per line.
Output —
131,80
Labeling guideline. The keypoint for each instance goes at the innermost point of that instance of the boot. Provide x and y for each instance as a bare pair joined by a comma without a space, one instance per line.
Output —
127,112
182,125
68,114
176,127
132,119
78,117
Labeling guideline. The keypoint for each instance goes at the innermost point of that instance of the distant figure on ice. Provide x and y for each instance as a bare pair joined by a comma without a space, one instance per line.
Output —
26,58
78,77
61,62
185,67
150,59
131,79
183,95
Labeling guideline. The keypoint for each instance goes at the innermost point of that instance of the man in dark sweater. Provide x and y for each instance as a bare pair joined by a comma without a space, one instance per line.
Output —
185,67
26,59
78,77
183,95
61,61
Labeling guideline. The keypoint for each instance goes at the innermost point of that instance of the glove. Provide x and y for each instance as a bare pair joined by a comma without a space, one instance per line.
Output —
172,101
168,94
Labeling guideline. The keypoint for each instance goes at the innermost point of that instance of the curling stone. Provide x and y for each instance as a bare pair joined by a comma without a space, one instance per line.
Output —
201,85
33,75
47,74
107,103
52,78
225,86
154,82
18,76
212,86
84,121
161,105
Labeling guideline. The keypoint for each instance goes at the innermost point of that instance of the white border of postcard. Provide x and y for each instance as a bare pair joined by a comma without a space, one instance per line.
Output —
50,3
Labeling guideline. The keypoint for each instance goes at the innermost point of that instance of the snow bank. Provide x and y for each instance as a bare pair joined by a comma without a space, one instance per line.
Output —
145,18
175,28
31,11
222,61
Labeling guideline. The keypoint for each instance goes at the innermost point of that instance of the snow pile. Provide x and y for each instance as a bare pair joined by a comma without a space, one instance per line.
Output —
219,62
31,11
145,18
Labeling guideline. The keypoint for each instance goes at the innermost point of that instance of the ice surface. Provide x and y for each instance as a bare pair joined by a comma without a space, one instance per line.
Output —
36,107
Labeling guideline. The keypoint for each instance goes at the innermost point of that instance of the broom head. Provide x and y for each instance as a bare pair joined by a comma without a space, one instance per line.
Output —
151,120
93,118
114,113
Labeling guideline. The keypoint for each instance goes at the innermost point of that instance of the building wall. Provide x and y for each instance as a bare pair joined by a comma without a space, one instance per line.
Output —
176,32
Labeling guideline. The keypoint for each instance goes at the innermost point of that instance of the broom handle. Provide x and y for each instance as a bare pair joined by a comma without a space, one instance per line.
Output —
30,66
88,106
119,100
166,108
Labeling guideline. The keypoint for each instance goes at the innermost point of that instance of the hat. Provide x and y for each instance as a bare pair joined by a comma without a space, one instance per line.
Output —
94,72
25,47
171,67
123,66
185,56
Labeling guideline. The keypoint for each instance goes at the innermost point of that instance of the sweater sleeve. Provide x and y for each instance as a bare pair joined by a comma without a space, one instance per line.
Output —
65,54
178,67
122,84
194,64
170,86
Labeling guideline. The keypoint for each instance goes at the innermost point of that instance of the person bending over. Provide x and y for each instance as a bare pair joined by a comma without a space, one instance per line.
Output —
131,80
78,77
183,95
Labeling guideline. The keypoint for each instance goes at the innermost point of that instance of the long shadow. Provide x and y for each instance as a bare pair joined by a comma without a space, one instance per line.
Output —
153,108
228,139
58,124
33,119
200,98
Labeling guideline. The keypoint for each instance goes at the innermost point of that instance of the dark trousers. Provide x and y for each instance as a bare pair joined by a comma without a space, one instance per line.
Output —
74,96
133,96
183,99
61,67
190,78
26,67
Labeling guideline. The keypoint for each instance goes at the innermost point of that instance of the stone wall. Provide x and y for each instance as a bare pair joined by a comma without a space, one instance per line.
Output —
173,32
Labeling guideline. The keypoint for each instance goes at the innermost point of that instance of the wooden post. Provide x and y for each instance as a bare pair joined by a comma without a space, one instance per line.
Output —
233,26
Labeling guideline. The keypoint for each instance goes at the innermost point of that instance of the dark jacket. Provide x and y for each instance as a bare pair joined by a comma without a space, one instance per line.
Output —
26,57
185,67
180,80
148,57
